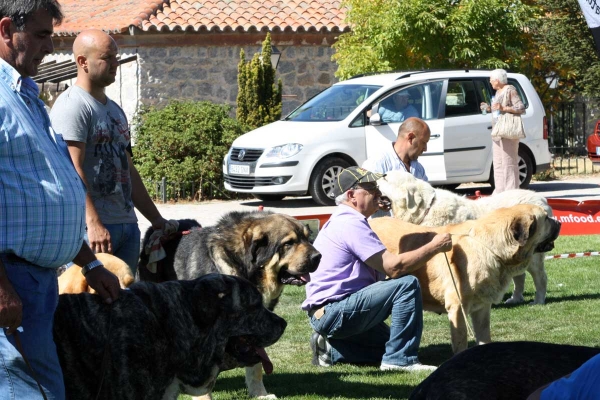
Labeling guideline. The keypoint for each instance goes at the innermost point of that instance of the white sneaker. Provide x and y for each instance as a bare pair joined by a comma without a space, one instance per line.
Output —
416,367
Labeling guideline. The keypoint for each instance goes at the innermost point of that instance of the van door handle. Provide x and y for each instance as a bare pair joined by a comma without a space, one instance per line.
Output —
435,136
490,127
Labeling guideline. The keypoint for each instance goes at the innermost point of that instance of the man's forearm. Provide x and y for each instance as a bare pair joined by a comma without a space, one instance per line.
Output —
397,265
85,255
140,197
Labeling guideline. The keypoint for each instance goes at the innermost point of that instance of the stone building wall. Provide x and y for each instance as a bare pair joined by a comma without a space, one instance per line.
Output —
210,73
205,72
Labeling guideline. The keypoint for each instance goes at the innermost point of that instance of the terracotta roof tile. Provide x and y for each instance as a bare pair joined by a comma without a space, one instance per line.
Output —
116,16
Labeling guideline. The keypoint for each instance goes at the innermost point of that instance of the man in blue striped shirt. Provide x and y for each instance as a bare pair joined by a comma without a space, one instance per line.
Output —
42,207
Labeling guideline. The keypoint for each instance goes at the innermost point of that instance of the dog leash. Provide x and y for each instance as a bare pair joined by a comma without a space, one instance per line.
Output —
469,328
33,374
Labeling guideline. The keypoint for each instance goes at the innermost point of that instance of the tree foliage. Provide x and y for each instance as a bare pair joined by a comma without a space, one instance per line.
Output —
428,34
563,47
259,99
184,141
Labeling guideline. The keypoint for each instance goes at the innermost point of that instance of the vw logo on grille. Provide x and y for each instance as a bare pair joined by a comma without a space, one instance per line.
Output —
241,155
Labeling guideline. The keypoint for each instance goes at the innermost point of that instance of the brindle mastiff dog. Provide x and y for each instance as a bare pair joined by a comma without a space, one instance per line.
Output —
163,339
270,250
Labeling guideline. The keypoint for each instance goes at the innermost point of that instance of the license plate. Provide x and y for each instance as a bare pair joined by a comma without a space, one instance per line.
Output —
239,169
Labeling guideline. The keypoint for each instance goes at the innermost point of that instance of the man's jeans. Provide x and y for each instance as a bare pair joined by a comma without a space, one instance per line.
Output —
356,328
38,289
125,240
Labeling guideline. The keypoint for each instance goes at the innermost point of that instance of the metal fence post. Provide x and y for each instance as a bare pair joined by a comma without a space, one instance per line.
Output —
163,189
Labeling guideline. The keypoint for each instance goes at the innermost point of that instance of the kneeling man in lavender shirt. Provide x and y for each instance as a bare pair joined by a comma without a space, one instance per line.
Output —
359,284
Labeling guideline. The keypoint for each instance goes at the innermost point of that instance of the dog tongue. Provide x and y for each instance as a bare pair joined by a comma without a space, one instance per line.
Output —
266,363
305,277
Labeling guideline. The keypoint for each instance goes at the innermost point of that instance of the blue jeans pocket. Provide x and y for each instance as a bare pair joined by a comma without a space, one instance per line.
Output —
329,323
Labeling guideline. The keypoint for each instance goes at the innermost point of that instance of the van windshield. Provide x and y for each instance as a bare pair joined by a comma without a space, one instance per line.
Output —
332,104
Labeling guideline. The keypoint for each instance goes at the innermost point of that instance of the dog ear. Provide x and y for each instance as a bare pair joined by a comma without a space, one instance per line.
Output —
523,228
257,243
415,202
211,292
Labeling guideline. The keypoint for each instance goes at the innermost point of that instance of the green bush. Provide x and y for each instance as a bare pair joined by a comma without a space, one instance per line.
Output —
185,142
259,98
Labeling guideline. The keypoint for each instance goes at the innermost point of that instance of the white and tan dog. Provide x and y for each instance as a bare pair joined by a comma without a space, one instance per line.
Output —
486,253
417,202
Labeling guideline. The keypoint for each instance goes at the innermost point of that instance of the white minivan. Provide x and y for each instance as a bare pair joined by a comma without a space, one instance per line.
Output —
304,152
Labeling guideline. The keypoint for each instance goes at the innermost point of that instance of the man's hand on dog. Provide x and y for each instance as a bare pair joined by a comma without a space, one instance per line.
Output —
442,242
105,283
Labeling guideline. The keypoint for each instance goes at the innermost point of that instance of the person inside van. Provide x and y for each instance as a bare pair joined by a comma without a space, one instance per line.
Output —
398,109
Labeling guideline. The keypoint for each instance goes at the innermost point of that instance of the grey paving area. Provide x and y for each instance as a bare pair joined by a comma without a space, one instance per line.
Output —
576,188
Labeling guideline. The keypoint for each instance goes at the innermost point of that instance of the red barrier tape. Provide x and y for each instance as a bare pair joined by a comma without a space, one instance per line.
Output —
577,217
573,255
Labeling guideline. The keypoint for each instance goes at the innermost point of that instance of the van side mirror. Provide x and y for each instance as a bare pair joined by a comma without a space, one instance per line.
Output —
375,118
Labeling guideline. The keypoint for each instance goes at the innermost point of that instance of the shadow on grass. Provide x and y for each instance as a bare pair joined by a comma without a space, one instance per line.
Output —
530,296
578,297
437,354
323,383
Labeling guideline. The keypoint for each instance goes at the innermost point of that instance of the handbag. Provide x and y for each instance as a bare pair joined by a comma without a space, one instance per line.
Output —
509,125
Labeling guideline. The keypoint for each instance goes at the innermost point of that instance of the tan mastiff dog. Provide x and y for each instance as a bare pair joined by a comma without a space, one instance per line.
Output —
486,254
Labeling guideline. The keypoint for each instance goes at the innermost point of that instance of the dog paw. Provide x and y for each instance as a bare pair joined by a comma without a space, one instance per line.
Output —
514,300
267,397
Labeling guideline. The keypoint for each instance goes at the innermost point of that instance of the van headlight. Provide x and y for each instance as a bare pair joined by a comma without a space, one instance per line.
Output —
283,151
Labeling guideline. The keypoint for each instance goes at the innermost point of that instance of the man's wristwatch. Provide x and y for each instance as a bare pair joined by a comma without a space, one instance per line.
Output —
90,266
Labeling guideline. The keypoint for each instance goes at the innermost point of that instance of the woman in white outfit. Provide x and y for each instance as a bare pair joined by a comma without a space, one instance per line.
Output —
505,151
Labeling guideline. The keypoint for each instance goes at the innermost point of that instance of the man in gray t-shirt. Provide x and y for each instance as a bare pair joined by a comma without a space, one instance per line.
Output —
104,130
97,133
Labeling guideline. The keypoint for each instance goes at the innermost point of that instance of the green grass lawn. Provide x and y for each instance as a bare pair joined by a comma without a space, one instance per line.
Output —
571,316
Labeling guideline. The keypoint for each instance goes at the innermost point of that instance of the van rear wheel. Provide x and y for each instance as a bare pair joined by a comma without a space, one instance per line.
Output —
323,179
525,170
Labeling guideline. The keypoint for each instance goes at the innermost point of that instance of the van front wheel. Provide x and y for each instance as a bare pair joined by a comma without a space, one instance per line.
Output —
323,179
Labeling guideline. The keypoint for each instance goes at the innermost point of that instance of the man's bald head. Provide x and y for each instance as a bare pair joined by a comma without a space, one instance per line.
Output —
95,54
91,40
413,136
415,125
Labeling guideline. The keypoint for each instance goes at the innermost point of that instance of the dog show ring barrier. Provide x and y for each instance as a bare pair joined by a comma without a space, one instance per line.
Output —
576,218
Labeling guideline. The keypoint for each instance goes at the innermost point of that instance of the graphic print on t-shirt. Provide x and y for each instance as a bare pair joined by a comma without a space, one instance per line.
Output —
110,137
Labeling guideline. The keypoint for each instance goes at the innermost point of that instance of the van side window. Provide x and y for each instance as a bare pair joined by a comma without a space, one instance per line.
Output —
421,101
461,99
483,91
